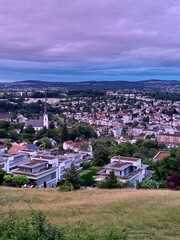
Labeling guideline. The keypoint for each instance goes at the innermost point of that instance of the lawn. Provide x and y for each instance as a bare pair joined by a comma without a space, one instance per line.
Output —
145,214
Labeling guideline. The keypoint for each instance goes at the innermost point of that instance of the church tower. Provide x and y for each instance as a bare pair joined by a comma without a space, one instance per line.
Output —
45,115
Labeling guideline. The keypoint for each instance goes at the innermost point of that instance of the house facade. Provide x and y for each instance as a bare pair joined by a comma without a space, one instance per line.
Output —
169,138
9,162
40,170
77,159
127,169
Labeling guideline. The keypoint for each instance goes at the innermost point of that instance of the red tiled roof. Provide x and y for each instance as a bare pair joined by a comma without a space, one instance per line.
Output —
160,155
16,148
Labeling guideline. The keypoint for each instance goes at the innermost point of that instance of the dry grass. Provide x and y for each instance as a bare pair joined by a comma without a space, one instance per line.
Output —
147,214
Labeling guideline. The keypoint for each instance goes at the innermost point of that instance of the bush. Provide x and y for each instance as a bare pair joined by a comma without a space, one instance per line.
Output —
105,184
8,178
66,186
86,165
87,232
95,169
20,180
173,182
149,184
111,182
86,177
34,228
163,184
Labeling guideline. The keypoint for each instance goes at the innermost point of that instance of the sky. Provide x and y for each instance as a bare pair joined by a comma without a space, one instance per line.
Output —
80,40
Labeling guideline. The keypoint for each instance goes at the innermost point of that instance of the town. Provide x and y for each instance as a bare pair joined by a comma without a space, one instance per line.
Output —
47,136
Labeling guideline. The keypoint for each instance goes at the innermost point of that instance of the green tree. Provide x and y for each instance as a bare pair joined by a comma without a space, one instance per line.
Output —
4,125
101,156
168,166
3,133
72,176
112,180
109,182
7,143
64,133
29,130
14,135
82,130
102,151
47,142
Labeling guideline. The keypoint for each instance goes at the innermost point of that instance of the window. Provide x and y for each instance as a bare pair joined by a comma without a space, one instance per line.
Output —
53,175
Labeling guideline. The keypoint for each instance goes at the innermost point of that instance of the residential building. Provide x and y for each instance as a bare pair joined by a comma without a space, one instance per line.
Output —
9,162
127,169
17,147
5,117
70,145
40,170
169,138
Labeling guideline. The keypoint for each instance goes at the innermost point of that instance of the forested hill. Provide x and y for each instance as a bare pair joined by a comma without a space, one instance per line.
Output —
148,85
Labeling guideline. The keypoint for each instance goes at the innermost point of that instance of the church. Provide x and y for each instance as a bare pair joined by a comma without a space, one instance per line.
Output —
43,121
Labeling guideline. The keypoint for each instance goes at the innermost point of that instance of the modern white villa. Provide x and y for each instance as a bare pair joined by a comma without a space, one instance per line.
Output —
127,169
41,169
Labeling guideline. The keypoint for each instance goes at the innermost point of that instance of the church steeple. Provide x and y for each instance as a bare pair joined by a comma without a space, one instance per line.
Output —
45,104
45,115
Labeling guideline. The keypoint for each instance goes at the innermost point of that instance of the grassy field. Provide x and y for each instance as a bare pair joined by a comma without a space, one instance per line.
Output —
146,214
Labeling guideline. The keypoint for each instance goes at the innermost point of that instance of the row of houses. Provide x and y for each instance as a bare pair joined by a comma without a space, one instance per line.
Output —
41,167
45,168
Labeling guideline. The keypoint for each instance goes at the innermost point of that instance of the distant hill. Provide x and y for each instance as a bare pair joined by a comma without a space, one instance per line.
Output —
147,85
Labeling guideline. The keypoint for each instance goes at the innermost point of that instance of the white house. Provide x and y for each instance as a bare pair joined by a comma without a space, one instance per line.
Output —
21,119
117,130
136,131
70,145
127,119
9,162
77,159
41,169
127,169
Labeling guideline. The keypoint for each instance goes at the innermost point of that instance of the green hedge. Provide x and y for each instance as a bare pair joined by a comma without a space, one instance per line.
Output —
95,169
86,177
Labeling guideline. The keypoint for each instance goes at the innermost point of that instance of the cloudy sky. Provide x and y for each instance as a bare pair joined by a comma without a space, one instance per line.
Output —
79,40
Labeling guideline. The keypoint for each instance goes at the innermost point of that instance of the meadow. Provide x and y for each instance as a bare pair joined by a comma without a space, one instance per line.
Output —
144,214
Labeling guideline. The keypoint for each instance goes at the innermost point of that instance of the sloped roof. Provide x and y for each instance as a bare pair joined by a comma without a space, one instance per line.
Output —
16,148
32,147
160,155
34,122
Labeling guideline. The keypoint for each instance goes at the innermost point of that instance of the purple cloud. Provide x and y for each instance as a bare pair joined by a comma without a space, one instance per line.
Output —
89,38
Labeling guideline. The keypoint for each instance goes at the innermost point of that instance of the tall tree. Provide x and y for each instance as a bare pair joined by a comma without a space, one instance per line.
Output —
72,176
64,133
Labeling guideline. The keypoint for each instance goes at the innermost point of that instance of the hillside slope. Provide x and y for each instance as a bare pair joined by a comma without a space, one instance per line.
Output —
146,214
